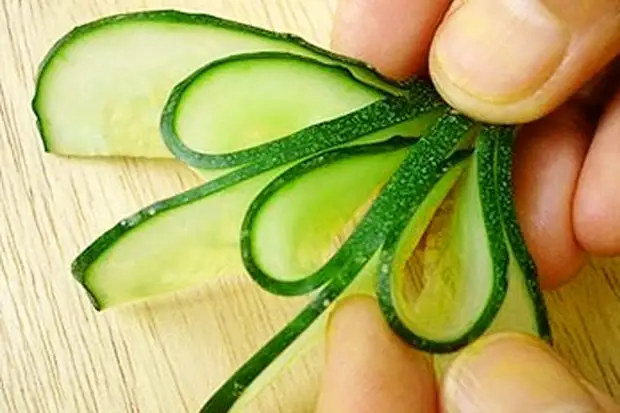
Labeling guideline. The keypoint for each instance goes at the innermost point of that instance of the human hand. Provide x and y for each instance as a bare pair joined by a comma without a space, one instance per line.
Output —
552,65
539,62
369,369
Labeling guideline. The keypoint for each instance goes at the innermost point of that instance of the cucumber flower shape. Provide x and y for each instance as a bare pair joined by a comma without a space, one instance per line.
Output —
322,179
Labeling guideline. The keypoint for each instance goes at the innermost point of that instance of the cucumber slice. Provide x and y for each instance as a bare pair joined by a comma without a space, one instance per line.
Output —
246,100
308,104
125,66
277,214
133,261
290,216
524,309
462,295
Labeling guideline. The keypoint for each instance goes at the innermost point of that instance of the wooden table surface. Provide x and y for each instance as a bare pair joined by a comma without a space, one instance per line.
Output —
168,355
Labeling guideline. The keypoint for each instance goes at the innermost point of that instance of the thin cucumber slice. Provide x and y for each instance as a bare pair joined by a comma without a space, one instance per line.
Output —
525,308
249,99
123,68
307,104
462,296
302,224
369,235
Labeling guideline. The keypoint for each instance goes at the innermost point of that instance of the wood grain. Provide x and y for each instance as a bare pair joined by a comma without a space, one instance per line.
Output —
168,355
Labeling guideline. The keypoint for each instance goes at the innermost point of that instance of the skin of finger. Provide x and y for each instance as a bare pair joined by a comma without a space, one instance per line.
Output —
394,36
608,405
369,369
594,27
548,158
597,201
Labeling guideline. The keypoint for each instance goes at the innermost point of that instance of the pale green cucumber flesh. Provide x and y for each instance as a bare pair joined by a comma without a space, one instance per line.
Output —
209,130
459,301
165,249
125,67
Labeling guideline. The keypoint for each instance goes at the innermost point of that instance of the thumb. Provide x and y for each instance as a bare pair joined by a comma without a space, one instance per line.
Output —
514,61
510,373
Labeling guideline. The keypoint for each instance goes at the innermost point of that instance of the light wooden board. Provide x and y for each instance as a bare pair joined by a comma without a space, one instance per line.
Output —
58,355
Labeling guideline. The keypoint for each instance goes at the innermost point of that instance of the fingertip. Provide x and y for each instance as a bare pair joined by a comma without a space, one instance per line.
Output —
369,369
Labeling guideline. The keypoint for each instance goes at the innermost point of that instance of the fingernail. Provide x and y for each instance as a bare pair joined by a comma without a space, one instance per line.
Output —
499,51
513,373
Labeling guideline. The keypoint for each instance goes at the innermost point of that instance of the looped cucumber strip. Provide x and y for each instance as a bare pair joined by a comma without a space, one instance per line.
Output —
524,309
363,110
465,291
290,216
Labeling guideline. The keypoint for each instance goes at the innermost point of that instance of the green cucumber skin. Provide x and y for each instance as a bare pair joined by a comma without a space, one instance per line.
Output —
503,138
382,113
176,16
318,279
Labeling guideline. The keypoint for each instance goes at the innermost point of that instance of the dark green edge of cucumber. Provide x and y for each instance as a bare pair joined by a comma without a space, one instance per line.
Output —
503,138
190,18
341,270
316,280
390,110
499,254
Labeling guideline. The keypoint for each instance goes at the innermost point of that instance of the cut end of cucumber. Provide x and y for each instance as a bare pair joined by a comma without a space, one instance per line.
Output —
133,261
